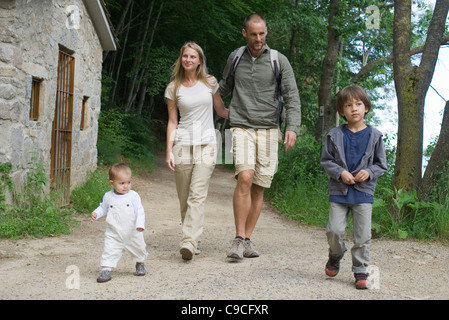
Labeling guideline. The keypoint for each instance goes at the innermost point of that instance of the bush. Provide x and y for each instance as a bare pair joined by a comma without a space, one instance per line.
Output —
299,187
125,135
33,213
299,190
86,198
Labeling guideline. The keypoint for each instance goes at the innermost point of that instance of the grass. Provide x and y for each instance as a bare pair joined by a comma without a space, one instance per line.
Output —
299,190
32,212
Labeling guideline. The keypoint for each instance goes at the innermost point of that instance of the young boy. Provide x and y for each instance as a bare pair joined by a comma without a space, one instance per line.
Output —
125,222
353,157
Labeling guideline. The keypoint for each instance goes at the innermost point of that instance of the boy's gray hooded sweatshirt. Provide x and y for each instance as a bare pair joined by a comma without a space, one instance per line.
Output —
333,161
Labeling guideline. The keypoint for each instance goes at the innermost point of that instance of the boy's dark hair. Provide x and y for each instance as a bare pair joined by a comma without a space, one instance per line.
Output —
115,168
253,17
350,93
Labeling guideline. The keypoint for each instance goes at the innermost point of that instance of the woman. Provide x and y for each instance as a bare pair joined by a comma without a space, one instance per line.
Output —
191,143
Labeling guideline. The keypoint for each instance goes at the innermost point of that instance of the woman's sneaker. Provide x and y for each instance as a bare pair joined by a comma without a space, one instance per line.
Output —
332,267
361,280
186,253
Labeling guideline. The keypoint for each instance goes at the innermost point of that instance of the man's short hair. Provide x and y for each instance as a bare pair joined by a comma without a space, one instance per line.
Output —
255,17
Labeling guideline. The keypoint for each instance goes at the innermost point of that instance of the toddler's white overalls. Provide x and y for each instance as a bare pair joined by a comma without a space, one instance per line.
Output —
121,234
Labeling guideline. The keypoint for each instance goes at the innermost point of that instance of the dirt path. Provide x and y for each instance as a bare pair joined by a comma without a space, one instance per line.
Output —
291,265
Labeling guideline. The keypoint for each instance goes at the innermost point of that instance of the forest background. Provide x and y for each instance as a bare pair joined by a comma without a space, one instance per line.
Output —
390,48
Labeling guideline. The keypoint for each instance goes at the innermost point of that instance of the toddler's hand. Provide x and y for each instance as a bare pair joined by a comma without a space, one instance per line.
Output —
93,217
139,229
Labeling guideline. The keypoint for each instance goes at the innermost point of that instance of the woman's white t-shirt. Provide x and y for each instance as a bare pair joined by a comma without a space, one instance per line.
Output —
196,124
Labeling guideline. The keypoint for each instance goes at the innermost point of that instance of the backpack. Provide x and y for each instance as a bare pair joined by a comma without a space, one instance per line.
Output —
277,73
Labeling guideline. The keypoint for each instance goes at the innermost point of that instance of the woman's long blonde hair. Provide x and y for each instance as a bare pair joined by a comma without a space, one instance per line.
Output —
178,73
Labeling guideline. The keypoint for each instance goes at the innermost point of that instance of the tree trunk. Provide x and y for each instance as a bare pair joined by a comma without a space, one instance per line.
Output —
327,109
137,59
292,50
143,78
411,85
119,28
439,160
122,54
407,173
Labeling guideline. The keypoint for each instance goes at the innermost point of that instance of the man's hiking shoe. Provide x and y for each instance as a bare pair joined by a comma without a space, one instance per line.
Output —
140,269
332,267
105,276
237,249
361,280
249,251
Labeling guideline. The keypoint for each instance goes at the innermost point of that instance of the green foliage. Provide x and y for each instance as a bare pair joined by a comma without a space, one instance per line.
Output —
299,188
112,136
85,198
409,217
400,214
5,183
159,69
127,135
43,220
298,29
141,144
32,213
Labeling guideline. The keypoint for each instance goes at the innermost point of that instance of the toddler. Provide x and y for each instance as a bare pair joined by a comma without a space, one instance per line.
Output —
125,223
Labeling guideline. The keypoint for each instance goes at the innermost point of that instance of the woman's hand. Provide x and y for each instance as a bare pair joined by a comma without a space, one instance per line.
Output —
170,161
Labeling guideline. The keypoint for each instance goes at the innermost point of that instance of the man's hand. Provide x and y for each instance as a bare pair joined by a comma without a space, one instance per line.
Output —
289,140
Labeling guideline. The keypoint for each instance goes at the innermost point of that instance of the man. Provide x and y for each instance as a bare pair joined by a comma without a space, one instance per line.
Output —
255,127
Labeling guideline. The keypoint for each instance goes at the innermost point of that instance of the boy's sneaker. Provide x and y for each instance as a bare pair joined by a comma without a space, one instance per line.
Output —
361,280
140,269
332,267
250,252
105,276
237,249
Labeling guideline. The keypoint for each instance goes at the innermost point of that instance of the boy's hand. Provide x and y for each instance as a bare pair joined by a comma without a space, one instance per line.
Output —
93,217
363,175
347,177
139,229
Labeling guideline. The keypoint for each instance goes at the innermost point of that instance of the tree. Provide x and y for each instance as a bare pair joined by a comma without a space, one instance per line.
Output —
351,43
412,83
327,108
439,161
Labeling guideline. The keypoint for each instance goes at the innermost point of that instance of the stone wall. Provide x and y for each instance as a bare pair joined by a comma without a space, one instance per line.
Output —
31,34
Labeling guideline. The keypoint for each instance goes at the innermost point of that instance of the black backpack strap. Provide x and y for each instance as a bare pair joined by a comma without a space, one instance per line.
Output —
277,73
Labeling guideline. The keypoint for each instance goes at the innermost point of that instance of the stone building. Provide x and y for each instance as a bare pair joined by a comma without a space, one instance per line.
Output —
50,86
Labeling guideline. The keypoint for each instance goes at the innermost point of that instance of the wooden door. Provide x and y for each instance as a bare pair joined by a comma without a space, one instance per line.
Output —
61,142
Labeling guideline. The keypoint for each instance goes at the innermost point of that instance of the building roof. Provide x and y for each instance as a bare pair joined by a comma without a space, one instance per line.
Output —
102,24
